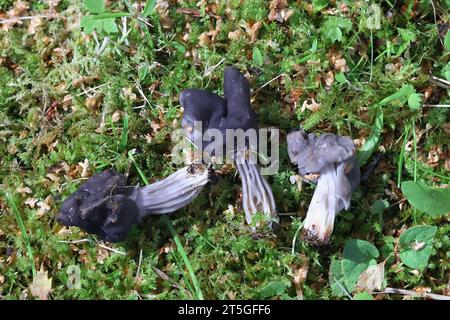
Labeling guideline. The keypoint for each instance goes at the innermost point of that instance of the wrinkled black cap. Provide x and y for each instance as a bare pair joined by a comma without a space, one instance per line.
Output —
311,153
233,112
101,206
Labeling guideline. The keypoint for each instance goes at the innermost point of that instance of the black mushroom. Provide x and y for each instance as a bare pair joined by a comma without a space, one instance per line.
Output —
104,205
233,112
330,161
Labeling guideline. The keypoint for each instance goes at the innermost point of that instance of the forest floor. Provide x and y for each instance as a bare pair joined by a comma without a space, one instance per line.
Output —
77,99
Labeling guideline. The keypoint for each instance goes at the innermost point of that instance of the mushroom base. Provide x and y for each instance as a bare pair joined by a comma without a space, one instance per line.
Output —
331,196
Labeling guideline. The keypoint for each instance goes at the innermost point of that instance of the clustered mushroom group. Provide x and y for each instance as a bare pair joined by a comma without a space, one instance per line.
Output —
104,205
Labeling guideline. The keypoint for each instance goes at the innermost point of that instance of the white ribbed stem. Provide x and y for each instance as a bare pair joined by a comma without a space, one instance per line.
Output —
256,192
327,201
173,193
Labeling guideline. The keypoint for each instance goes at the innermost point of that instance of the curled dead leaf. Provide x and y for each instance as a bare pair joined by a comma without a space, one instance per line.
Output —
371,279
42,285
310,104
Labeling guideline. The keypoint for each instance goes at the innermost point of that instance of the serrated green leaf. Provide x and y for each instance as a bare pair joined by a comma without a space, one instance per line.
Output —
435,202
334,27
415,101
257,57
94,6
274,288
109,25
369,146
416,245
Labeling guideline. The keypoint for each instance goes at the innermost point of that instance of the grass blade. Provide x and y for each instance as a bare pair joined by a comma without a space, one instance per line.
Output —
26,240
172,230
371,142
124,138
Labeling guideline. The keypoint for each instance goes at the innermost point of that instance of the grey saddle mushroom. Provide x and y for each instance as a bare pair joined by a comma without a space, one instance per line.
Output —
105,206
329,160
231,113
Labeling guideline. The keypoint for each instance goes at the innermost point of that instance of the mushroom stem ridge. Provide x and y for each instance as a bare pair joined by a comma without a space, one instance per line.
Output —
327,201
257,195
174,192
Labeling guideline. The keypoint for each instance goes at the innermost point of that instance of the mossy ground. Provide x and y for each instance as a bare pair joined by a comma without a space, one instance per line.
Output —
63,100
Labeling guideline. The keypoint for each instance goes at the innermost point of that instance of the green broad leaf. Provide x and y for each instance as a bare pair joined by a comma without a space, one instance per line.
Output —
94,6
319,5
415,101
101,22
416,245
340,77
446,71
143,72
149,7
352,270
405,91
447,41
257,57
371,142
432,201
335,27
360,251
407,35
362,296
274,288
358,256
334,34
337,279
379,206
109,25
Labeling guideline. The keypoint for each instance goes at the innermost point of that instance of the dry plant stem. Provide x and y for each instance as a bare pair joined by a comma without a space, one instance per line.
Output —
173,193
256,193
414,294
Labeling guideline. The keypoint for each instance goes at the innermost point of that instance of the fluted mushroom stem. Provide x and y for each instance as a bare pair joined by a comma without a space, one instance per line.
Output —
327,201
256,192
174,192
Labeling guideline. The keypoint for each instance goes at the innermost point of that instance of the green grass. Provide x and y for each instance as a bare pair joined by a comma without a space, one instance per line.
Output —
64,101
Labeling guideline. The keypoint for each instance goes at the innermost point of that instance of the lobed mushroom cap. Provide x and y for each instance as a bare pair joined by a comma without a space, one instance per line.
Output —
98,208
311,154
233,112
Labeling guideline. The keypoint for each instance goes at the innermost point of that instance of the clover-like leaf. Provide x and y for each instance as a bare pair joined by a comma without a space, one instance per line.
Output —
433,201
416,245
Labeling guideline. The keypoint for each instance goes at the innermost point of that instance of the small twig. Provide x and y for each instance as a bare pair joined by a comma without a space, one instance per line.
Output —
165,277
440,82
103,46
95,243
208,71
266,84
414,294
139,265
22,18
436,105
141,92
435,22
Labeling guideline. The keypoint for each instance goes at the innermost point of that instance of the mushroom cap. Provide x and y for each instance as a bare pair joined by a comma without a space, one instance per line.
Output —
97,207
311,154
233,112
